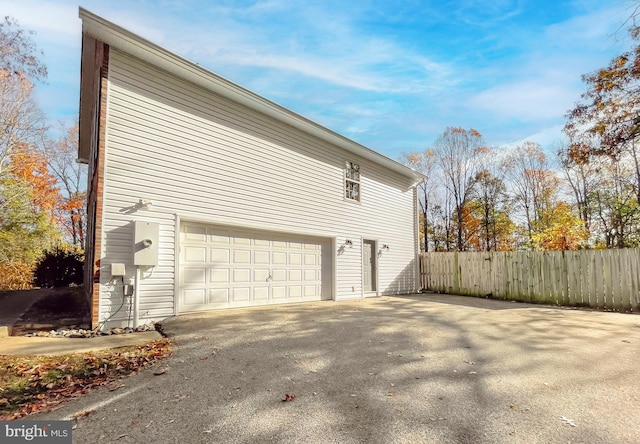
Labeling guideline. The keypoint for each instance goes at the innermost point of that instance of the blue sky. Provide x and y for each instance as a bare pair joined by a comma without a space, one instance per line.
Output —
391,75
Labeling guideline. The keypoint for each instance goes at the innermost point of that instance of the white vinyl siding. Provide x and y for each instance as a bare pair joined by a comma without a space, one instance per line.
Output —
203,157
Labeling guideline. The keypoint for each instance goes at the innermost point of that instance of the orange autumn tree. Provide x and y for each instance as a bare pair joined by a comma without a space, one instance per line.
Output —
29,202
471,226
30,167
26,217
72,178
564,230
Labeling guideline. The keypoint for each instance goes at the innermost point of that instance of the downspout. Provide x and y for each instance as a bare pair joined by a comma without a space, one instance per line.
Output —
136,298
416,237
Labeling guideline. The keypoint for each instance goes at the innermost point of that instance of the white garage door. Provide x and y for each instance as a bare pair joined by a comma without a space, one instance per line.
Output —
225,267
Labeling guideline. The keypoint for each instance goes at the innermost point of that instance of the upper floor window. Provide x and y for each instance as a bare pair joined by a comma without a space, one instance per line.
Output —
352,181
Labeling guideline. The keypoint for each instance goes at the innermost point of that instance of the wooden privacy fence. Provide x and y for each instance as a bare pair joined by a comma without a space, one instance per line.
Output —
605,279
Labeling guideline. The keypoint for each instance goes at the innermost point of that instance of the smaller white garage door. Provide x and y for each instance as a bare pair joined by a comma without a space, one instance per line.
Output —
225,267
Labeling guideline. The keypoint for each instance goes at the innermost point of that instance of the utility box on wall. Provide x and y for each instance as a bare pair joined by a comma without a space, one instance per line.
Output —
145,246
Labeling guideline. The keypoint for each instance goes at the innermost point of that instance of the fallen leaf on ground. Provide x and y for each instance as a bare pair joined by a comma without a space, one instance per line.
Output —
26,380
83,413
162,371
288,397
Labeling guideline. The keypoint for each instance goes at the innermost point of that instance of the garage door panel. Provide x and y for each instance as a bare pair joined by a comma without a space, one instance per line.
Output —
220,275
261,257
241,275
309,275
219,238
295,291
195,296
195,233
278,293
241,294
260,293
195,254
194,275
279,258
219,295
242,256
222,267
279,275
241,240
261,275
221,255
295,275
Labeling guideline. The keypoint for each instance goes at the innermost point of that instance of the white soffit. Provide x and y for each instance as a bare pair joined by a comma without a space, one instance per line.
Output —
126,41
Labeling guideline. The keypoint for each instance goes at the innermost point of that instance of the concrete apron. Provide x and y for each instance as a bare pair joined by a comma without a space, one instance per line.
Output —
22,345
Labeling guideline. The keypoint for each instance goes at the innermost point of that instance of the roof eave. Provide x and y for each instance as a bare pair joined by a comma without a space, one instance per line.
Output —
120,38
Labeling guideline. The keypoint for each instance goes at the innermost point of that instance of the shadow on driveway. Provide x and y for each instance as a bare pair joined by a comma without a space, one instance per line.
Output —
424,368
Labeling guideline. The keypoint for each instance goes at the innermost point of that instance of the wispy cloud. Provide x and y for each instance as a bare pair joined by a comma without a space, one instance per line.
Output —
50,19
333,51
487,13
392,75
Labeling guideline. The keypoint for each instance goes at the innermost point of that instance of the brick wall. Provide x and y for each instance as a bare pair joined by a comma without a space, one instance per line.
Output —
96,182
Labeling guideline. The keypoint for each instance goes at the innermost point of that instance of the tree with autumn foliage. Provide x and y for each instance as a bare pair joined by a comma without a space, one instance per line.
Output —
563,230
533,184
61,158
459,152
29,200
31,206
20,119
610,110
607,121
425,163
616,211
582,178
491,205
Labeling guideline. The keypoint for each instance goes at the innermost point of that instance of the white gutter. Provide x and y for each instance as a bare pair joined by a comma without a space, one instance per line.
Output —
118,37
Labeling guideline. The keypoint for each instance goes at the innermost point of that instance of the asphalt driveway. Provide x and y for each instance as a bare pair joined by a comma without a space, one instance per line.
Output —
426,368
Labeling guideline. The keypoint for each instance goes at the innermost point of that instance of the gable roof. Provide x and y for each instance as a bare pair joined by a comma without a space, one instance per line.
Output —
126,41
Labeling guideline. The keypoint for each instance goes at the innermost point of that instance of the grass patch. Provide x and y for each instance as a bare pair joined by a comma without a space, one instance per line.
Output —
30,384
